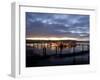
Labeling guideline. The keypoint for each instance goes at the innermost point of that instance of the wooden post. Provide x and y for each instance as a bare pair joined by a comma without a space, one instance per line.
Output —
82,47
33,47
88,47
56,49
41,45
44,51
73,49
74,55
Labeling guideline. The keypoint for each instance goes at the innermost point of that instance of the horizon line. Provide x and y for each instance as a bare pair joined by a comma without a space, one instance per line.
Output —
55,38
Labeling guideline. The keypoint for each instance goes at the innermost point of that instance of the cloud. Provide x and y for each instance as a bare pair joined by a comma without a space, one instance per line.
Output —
51,24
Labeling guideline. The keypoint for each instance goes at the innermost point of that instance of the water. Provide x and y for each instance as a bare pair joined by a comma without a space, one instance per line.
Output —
37,48
51,55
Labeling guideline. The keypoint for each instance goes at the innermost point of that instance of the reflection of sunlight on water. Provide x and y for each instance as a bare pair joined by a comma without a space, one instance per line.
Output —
51,48
30,45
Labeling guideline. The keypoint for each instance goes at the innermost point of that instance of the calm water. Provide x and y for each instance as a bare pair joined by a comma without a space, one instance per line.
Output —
52,55
37,48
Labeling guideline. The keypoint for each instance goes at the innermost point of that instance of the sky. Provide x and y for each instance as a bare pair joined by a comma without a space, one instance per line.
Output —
46,25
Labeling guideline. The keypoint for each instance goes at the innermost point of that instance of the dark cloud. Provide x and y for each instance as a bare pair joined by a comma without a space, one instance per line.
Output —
56,25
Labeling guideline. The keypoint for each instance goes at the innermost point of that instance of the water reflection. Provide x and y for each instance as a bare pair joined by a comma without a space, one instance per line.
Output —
56,53
58,48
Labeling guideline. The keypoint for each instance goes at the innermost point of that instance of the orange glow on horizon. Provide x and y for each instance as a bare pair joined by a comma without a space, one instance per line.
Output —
56,38
51,38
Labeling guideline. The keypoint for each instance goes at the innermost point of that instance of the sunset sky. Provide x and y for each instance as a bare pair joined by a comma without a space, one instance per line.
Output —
48,25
